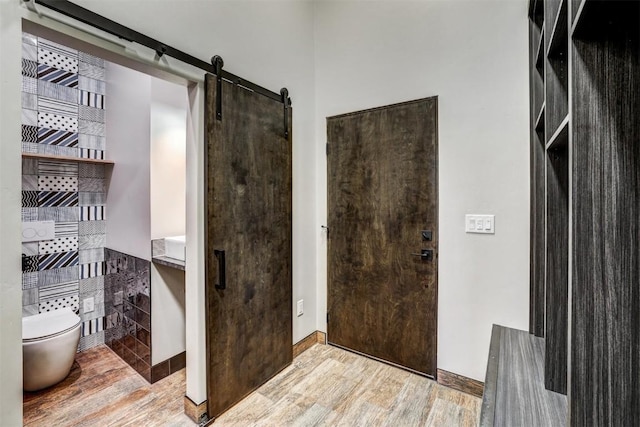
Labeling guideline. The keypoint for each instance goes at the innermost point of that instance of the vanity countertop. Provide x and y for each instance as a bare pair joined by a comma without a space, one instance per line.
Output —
169,262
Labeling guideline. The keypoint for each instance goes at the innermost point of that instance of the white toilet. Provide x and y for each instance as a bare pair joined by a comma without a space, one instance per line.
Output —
49,344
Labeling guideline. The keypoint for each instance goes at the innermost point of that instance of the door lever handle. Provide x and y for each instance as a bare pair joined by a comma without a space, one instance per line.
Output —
425,254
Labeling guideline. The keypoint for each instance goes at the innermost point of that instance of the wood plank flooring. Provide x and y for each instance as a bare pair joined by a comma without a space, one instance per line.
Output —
325,386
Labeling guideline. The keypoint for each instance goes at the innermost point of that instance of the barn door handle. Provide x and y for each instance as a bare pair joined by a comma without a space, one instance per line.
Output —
222,266
425,254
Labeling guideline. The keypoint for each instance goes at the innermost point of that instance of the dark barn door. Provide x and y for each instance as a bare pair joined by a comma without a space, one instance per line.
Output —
383,240
248,244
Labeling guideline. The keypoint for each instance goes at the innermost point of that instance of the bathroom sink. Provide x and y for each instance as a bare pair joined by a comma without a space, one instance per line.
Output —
175,247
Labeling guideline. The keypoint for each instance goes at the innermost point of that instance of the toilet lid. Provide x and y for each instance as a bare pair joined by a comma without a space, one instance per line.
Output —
48,323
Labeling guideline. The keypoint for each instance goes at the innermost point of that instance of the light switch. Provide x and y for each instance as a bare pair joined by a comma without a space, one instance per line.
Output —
480,224
36,231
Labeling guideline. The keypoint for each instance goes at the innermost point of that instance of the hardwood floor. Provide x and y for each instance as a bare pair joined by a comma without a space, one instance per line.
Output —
324,386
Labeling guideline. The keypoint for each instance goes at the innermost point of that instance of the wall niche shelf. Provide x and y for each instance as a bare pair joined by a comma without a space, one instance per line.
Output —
65,158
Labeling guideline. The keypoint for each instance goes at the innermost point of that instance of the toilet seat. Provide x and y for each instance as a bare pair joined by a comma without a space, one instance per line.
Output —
49,324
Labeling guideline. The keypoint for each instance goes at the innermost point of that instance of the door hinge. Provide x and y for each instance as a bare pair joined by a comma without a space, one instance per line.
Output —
327,317
327,148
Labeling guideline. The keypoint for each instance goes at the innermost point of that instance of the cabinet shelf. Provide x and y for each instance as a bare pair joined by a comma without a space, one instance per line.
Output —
539,55
560,136
540,119
65,158
594,18
558,35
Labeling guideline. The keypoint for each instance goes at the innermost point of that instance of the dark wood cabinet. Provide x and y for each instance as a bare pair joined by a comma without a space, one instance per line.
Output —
585,203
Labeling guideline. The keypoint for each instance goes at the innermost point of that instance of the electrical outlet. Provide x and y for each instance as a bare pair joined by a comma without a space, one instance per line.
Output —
88,305
300,307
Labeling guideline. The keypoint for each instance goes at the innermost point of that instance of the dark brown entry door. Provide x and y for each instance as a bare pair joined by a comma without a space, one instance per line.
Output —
248,244
383,193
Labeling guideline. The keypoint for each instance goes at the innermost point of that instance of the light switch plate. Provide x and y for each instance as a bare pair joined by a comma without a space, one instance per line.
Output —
36,231
88,305
480,224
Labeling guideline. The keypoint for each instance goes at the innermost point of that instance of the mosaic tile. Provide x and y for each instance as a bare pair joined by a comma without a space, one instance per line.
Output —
29,133
57,183
92,213
92,241
91,255
30,166
88,70
29,147
58,290
54,91
29,85
91,114
57,168
60,275
57,260
29,182
29,199
59,122
88,228
92,199
29,310
91,60
29,117
92,285
92,85
92,269
92,185
30,248
56,106
29,214
91,99
57,198
29,264
61,214
57,76
29,296
29,39
66,229
29,52
29,68
60,244
91,341
57,48
57,150
57,59
86,153
57,304
29,280
93,142
91,128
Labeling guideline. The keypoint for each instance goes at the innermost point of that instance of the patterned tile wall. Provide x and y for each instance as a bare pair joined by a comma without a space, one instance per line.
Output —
63,102
127,293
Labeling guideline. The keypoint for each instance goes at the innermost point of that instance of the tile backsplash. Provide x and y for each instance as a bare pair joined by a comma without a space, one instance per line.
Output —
63,101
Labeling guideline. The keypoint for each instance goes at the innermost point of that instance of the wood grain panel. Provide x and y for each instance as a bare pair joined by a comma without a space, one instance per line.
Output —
249,333
521,398
382,170
557,271
460,383
605,337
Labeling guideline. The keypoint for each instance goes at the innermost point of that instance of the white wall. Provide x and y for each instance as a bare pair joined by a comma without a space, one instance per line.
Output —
168,158
128,109
168,329
473,55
